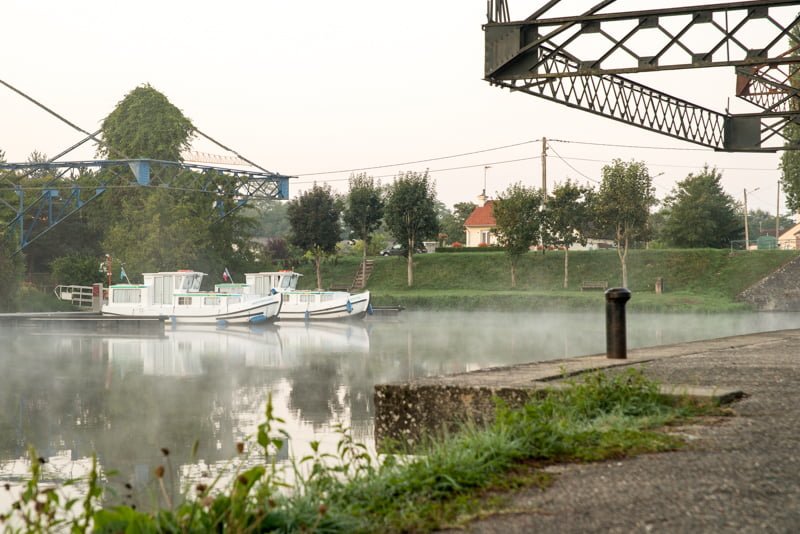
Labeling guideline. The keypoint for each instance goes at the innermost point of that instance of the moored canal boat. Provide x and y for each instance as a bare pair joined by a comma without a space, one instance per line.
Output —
176,296
301,305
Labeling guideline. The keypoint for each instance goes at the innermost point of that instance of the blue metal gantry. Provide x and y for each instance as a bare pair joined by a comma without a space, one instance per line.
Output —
41,207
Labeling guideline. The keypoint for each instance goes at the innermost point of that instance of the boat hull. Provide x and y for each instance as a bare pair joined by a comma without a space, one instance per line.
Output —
346,307
249,312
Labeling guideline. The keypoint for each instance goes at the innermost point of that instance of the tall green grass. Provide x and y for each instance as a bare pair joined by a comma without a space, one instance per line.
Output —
438,483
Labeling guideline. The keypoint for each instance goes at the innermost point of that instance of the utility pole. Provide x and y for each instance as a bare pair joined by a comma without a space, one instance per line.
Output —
746,229
544,186
544,170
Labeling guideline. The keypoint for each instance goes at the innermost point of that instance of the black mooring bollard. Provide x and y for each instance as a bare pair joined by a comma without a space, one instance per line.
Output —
616,335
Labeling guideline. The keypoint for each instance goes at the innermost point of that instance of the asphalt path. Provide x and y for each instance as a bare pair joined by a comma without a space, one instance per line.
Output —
737,474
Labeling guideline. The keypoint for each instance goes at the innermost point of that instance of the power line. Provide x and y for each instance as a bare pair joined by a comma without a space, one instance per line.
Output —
679,166
628,146
513,145
89,135
439,158
568,164
429,170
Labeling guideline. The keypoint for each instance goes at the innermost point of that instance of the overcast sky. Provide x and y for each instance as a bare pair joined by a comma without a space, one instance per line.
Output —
308,87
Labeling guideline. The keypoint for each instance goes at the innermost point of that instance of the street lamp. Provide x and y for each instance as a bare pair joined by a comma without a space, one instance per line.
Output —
746,228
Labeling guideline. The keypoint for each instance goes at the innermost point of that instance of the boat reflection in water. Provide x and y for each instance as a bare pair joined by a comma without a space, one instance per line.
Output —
126,398
182,350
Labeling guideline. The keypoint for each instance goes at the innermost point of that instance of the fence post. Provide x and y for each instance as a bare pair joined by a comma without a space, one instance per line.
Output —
616,335
97,297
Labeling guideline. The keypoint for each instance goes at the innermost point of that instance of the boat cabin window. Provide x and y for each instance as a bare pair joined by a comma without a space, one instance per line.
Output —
288,281
127,296
191,282
184,301
307,298
211,301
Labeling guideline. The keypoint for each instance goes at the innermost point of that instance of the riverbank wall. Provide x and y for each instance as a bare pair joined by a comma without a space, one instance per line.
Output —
778,291
405,412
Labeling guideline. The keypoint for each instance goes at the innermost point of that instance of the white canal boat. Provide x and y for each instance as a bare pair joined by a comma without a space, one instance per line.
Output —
300,305
177,297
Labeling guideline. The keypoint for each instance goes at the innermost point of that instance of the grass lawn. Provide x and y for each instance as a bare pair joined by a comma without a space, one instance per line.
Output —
694,280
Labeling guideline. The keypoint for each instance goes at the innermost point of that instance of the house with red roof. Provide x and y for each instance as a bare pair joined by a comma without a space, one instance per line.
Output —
480,225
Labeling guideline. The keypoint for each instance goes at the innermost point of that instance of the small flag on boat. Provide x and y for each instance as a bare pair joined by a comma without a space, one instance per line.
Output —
226,276
122,275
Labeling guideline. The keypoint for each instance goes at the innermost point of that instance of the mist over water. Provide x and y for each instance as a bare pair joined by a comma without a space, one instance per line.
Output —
124,397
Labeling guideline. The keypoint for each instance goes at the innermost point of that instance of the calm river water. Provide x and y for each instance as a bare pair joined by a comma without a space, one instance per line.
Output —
125,398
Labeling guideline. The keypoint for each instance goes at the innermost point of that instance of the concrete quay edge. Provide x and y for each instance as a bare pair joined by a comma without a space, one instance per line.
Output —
405,411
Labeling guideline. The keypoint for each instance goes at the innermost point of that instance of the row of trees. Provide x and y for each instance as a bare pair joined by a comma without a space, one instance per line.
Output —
408,208
697,213
573,213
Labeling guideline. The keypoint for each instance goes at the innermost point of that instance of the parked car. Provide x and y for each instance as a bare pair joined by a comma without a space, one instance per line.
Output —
400,250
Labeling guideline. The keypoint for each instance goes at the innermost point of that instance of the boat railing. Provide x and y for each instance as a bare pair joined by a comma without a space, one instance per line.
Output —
80,296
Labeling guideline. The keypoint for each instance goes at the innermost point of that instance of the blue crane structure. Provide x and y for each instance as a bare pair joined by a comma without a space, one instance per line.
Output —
72,185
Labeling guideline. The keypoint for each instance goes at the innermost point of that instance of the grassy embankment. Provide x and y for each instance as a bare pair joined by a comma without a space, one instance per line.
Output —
694,280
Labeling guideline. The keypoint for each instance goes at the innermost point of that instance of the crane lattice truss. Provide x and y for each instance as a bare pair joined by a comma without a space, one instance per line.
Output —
37,209
579,61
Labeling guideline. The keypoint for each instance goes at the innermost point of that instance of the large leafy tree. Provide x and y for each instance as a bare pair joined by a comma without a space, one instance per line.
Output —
410,213
166,228
314,218
623,205
700,213
145,124
363,212
519,220
568,214
160,234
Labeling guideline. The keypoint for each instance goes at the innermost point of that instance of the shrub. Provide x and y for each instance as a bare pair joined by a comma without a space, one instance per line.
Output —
470,249
76,269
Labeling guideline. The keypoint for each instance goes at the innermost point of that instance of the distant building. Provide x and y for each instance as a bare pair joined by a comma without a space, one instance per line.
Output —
790,239
480,224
